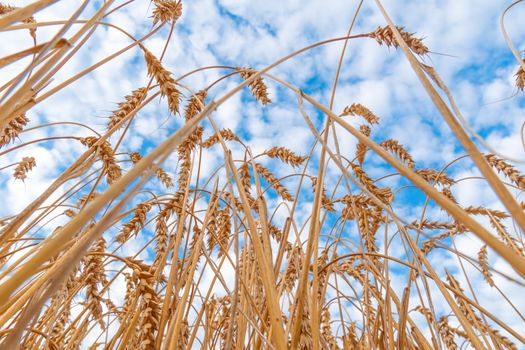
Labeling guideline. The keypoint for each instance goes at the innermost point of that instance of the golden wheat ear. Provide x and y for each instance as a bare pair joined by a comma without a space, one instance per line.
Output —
258,87
125,108
13,129
508,170
166,82
167,10
285,155
106,154
357,109
385,36
23,167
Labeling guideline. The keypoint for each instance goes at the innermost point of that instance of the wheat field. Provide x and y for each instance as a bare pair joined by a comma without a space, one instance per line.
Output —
146,243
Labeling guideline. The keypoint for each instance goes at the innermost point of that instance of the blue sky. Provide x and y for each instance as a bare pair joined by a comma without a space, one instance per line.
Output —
468,51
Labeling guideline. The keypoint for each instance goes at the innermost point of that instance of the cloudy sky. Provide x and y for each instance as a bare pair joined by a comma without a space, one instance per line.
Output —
467,46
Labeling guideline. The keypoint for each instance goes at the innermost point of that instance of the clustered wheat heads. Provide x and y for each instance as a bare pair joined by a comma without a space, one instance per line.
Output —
253,247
